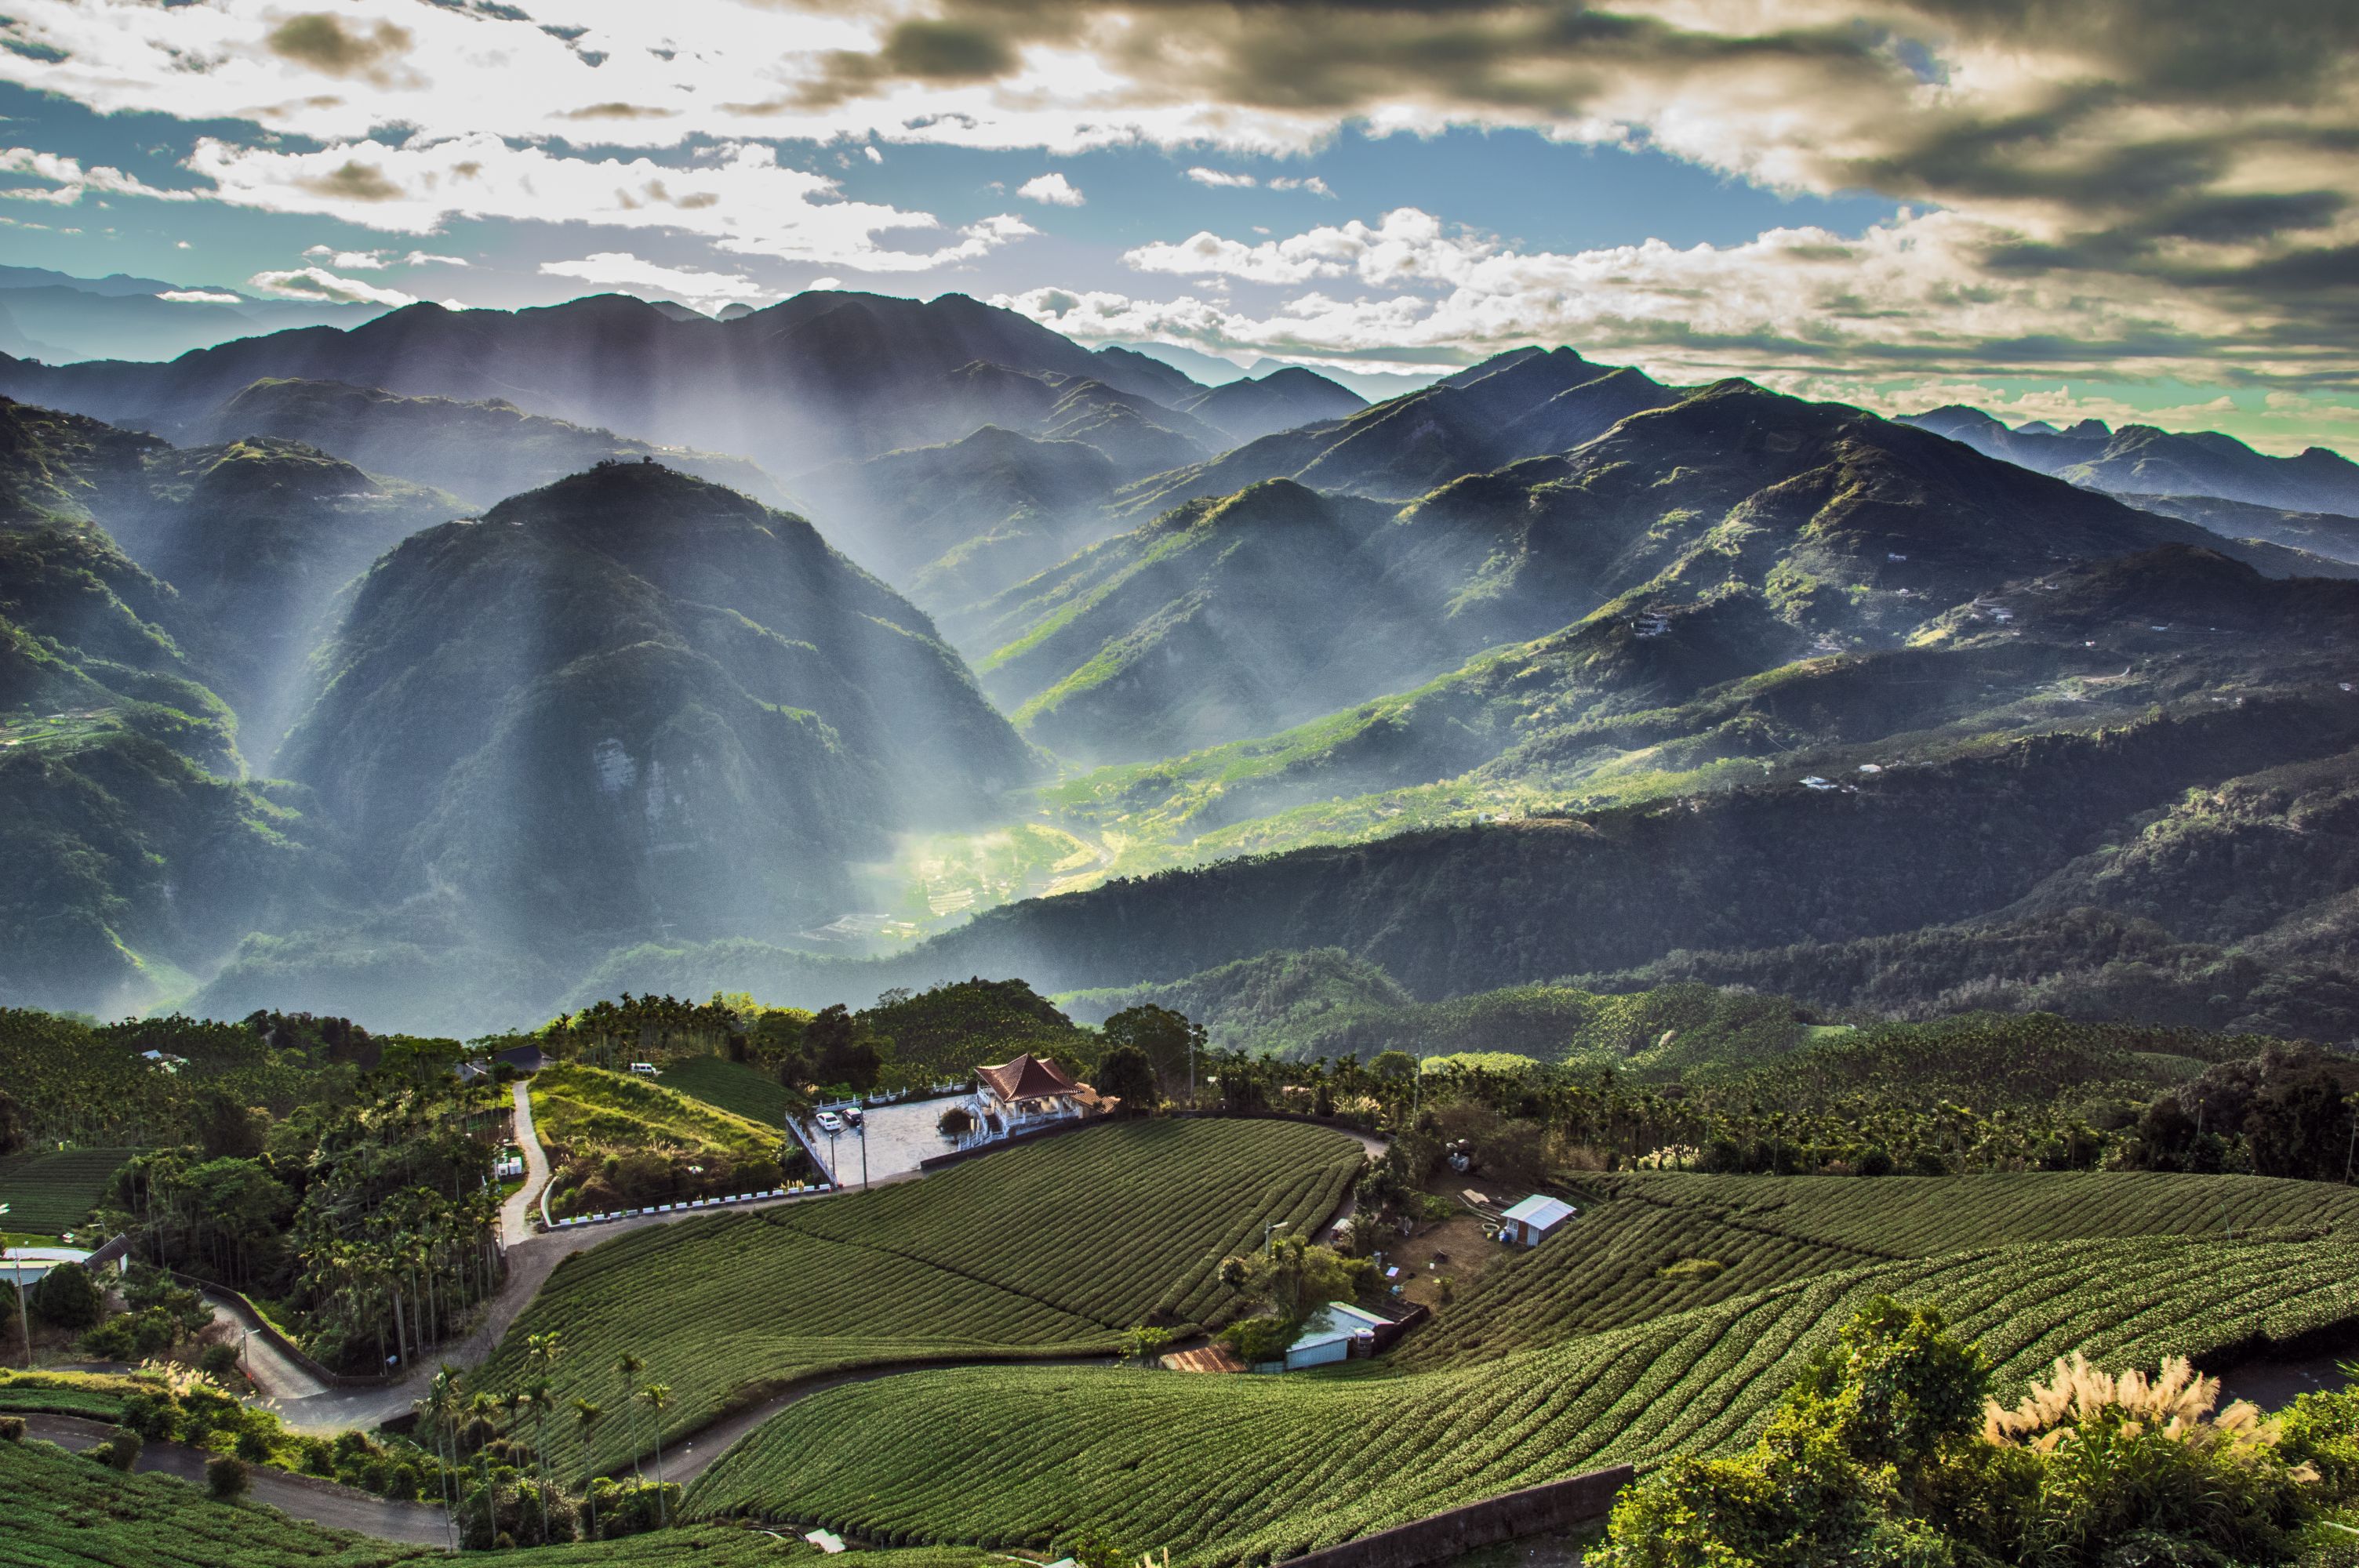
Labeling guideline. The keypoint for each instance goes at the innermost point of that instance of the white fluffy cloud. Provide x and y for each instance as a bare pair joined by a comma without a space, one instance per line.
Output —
65,181
621,270
743,201
318,283
1052,189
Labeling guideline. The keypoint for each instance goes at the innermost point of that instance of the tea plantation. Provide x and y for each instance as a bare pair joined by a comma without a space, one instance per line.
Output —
1048,1249
1579,1355
60,1511
48,1194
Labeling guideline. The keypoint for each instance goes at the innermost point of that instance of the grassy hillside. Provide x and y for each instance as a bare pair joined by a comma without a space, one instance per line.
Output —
576,1107
1047,1249
1236,1470
49,1194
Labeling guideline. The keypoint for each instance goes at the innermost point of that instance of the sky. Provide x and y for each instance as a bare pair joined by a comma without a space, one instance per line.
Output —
2130,208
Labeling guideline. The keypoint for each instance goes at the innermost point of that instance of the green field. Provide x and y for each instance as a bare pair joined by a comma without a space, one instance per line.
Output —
48,1194
576,1108
1047,1249
1610,1362
60,1510
741,1091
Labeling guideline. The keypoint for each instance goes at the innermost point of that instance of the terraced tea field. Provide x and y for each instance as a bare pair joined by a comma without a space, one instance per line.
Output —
48,1194
1231,1470
734,1087
1606,1271
60,1510
1048,1249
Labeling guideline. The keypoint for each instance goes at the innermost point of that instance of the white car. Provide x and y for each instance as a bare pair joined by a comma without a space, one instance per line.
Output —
829,1122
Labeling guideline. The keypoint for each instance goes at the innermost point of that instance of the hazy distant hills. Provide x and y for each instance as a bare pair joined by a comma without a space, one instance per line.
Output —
55,317
478,451
2141,460
812,380
132,846
1249,408
633,697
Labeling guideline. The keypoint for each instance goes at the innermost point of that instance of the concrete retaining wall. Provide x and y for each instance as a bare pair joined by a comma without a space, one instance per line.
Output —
1556,1505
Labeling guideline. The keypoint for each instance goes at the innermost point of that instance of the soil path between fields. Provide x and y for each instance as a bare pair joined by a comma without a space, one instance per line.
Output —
516,1214
303,1497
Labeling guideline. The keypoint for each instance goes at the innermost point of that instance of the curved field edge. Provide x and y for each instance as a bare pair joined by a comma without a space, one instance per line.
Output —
1230,1470
1041,1252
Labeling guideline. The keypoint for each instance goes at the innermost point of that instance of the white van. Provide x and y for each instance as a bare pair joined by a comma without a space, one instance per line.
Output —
643,1069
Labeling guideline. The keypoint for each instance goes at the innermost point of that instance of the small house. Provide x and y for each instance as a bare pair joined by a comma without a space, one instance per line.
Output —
1331,1336
1529,1223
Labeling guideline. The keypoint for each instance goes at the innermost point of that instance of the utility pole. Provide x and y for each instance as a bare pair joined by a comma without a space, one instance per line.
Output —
1273,1225
863,1152
23,1318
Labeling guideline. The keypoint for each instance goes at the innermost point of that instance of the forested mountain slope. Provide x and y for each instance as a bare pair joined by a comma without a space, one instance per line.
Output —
478,451
1759,524
632,697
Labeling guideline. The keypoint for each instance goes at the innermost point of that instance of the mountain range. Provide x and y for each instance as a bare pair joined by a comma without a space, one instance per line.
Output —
444,667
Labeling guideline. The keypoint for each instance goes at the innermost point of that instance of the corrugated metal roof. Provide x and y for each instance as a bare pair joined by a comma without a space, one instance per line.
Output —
1541,1211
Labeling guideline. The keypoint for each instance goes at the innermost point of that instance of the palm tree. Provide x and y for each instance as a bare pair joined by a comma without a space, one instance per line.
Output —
537,1394
655,1395
628,1367
586,1417
480,1408
540,1354
441,1403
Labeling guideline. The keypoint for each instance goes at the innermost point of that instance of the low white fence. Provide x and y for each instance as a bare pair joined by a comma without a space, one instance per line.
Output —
791,1190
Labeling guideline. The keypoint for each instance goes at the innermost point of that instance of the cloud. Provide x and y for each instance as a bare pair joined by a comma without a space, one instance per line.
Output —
620,269
743,200
377,261
321,40
1050,189
320,285
200,296
1231,178
65,182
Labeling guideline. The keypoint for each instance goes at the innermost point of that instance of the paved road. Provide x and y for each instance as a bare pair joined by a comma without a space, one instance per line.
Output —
515,1215
530,1262
303,1497
267,1367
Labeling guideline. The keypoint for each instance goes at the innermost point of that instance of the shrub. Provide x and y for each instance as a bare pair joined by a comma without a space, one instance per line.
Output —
67,1297
120,1451
956,1123
227,1477
1258,1339
1691,1269
217,1360
12,1428
1874,1161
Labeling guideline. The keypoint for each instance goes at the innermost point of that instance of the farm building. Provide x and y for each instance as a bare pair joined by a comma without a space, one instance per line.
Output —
1529,1223
1331,1334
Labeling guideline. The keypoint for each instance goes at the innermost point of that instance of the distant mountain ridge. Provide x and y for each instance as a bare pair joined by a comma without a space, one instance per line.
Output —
819,377
2142,460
